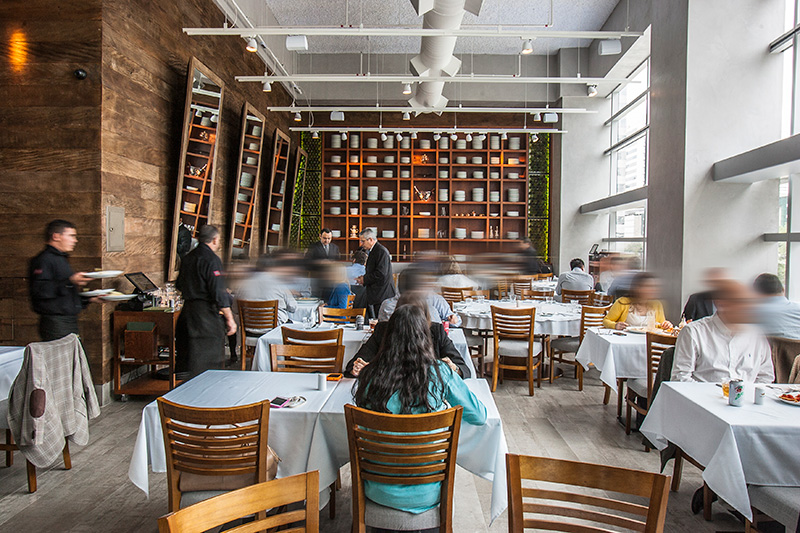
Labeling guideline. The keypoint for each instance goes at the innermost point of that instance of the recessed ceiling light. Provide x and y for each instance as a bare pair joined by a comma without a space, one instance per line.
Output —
527,47
252,45
407,88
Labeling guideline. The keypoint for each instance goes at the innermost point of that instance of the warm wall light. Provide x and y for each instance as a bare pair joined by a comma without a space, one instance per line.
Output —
18,50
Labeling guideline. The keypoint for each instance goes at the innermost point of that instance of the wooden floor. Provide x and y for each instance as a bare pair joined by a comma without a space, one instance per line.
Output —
559,421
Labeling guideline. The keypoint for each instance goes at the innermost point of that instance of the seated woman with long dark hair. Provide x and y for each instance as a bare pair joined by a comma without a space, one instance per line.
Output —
405,378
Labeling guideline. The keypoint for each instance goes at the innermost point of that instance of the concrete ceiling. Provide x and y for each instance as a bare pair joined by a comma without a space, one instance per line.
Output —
568,15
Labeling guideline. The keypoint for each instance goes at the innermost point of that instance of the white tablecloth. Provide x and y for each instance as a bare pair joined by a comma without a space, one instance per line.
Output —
290,430
551,318
352,340
481,449
614,356
10,363
751,444
306,309
543,285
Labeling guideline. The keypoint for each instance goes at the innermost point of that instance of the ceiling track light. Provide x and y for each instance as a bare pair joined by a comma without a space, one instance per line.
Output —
437,136
344,135
407,88
537,117
591,90
198,113
453,136
252,45
384,136
413,134
267,87
504,136
468,137
298,117
406,116
527,47
534,137
399,136
315,135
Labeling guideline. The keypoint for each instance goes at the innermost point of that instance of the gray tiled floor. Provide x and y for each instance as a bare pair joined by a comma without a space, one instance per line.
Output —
558,421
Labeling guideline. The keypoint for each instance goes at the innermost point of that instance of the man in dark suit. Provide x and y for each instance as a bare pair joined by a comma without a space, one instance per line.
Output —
324,250
377,280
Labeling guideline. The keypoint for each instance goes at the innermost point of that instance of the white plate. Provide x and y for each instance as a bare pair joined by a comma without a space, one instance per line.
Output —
118,297
103,274
796,404
640,331
96,292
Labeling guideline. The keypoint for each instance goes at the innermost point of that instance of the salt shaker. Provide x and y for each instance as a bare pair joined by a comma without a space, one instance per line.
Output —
359,322
759,396
322,382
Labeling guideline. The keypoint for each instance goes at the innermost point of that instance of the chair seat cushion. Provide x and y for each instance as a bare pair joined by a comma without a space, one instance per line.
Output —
639,386
197,496
517,348
566,344
780,503
194,482
379,516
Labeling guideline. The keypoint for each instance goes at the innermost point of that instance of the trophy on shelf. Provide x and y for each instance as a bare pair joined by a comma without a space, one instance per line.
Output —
354,232
444,211
404,209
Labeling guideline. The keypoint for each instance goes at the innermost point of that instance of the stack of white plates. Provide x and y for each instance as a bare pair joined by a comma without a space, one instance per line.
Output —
495,175
387,234
353,210
513,175
354,141
354,159
444,142
513,160
460,233
405,143
336,173
443,160
372,211
494,160
336,233
444,195
353,172
460,196
513,195
336,159
424,213
372,158
461,144
425,144
478,194
251,161
336,141
461,174
276,227
512,213
405,195
372,193
283,187
354,192
461,160
335,210
494,196
405,173
424,233
389,142
443,173
477,143
477,160
405,160
512,235
242,197
478,175
387,196
387,211
388,173
240,217
372,173
247,179
514,143
477,234
252,146
494,142
388,159
372,142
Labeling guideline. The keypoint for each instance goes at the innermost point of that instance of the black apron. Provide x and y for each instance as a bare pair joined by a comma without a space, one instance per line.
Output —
199,338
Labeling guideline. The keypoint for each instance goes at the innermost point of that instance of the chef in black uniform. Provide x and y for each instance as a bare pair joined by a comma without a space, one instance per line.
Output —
53,284
201,331
377,280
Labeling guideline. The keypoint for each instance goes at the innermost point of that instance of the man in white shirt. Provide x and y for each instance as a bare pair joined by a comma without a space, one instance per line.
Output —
576,279
725,345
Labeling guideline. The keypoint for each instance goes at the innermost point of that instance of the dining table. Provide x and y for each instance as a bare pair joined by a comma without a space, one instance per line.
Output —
352,339
311,436
306,308
750,444
552,318
616,354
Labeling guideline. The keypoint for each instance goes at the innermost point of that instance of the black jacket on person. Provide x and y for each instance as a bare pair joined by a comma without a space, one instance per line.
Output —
378,281
316,252
51,291
200,278
442,347
699,305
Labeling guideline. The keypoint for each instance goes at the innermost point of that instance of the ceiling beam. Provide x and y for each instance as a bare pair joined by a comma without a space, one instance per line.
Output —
388,109
443,129
410,78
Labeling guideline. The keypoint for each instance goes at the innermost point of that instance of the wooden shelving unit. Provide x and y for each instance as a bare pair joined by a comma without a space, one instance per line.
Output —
279,185
423,174
245,199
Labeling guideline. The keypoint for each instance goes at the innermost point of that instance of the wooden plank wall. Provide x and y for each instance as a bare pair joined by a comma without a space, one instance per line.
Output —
145,58
49,149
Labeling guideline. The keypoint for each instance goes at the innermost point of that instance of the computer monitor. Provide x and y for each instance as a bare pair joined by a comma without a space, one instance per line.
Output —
141,283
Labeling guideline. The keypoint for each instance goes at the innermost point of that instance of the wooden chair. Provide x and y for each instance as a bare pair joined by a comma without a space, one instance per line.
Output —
582,297
537,295
326,359
513,334
547,276
522,283
341,316
469,293
591,317
402,450
212,451
9,446
300,490
552,506
315,337
255,318
601,300
452,295
504,287
351,298
643,388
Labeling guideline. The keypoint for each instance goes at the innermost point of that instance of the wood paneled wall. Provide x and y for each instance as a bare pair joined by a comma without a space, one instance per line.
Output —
69,148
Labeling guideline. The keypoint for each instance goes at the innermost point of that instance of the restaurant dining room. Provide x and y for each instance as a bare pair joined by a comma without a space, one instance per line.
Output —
400,266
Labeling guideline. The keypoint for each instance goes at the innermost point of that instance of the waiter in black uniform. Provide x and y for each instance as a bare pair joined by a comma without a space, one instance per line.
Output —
377,280
53,284
201,331
324,249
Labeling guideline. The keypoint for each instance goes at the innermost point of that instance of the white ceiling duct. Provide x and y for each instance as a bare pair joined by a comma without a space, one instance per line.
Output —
436,57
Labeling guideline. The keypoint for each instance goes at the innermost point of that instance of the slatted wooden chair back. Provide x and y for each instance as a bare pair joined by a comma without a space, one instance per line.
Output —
326,359
341,316
256,317
469,293
544,276
403,450
503,286
301,490
229,441
575,509
523,283
592,317
351,299
656,345
452,295
601,300
582,297
513,323
314,336
537,295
